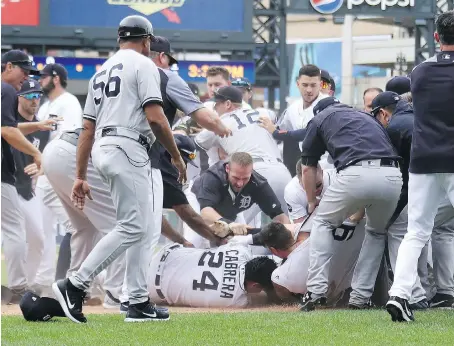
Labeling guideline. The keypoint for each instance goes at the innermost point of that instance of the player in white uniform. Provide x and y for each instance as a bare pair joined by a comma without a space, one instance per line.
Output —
212,278
124,100
247,136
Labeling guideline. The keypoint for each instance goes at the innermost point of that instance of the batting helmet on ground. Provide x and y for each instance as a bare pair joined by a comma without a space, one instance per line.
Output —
135,26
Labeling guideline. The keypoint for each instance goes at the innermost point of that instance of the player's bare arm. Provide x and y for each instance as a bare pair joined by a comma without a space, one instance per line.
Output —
34,126
210,215
168,232
284,294
17,140
84,146
160,126
196,222
210,121
222,154
309,182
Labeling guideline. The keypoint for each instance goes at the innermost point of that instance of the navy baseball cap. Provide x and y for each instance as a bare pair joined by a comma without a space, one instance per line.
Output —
30,86
384,99
325,76
187,148
243,83
230,93
399,84
55,70
333,84
325,103
162,45
21,59
35,308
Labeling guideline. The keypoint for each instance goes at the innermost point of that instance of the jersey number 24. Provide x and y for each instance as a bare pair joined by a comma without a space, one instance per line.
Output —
111,87
208,281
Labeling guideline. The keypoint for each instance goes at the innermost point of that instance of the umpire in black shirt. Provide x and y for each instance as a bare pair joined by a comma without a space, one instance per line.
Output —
16,67
368,177
431,175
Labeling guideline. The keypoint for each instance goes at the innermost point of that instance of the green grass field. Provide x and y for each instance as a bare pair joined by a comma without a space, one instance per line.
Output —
340,327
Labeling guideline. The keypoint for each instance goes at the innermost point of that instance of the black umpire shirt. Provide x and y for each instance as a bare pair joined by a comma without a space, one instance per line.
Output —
23,181
9,118
432,89
212,189
348,135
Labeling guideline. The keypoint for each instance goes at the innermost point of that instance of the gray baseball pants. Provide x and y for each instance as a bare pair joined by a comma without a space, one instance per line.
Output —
123,165
369,186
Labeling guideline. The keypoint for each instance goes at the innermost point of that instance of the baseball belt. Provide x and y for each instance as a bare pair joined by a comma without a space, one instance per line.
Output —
70,137
260,159
127,133
157,280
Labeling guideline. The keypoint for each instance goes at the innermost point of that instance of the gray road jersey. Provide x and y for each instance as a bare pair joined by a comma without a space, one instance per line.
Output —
117,93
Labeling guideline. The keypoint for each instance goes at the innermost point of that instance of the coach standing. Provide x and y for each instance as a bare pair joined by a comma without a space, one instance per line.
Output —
431,161
16,67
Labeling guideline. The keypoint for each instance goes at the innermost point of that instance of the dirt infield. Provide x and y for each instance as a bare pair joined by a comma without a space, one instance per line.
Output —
14,310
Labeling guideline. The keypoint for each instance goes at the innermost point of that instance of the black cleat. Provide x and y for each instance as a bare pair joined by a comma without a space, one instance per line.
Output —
124,307
308,303
399,309
364,306
71,299
441,300
423,304
145,312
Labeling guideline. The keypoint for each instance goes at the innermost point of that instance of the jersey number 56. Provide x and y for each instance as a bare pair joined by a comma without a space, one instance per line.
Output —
208,281
111,87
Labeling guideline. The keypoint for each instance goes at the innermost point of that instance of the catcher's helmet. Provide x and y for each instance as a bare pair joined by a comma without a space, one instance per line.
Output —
135,26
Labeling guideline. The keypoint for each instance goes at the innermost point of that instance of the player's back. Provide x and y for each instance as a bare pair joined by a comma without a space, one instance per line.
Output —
248,136
120,88
203,277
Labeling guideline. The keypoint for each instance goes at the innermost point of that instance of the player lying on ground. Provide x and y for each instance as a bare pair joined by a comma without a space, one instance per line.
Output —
212,278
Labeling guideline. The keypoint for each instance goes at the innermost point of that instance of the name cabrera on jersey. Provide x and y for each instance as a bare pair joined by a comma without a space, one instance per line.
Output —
247,136
201,277
119,91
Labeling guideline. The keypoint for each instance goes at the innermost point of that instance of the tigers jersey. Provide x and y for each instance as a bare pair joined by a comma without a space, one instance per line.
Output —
121,88
247,136
199,277
292,273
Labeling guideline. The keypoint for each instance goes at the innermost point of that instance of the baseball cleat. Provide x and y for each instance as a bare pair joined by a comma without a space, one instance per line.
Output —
423,304
71,299
145,312
110,302
124,307
441,300
361,306
399,309
308,303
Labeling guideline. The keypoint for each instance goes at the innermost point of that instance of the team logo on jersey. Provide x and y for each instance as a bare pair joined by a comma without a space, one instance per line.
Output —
148,7
245,202
289,207
326,6
36,142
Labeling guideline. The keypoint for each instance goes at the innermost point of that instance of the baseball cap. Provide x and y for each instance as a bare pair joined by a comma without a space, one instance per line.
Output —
325,76
162,45
242,83
333,84
187,148
399,84
230,93
55,70
324,103
21,59
383,100
30,86
35,308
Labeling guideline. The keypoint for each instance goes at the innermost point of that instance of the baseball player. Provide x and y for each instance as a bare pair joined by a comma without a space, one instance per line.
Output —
124,100
247,137
431,175
16,67
212,278
368,177
229,188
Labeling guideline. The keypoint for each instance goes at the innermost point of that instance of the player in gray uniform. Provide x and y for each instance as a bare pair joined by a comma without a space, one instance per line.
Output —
368,177
124,101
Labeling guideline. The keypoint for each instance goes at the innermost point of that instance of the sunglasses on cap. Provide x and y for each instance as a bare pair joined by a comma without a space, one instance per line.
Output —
31,96
325,84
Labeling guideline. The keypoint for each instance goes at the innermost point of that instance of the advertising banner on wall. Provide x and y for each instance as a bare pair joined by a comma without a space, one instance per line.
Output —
20,12
209,15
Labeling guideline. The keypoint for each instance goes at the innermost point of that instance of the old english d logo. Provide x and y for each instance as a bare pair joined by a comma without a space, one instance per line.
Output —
152,6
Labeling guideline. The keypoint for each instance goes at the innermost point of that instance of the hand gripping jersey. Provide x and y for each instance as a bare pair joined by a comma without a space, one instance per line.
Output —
199,277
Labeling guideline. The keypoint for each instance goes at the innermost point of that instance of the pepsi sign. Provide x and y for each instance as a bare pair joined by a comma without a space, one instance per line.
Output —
331,6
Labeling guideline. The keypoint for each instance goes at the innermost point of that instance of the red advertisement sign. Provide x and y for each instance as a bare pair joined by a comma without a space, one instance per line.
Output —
20,12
